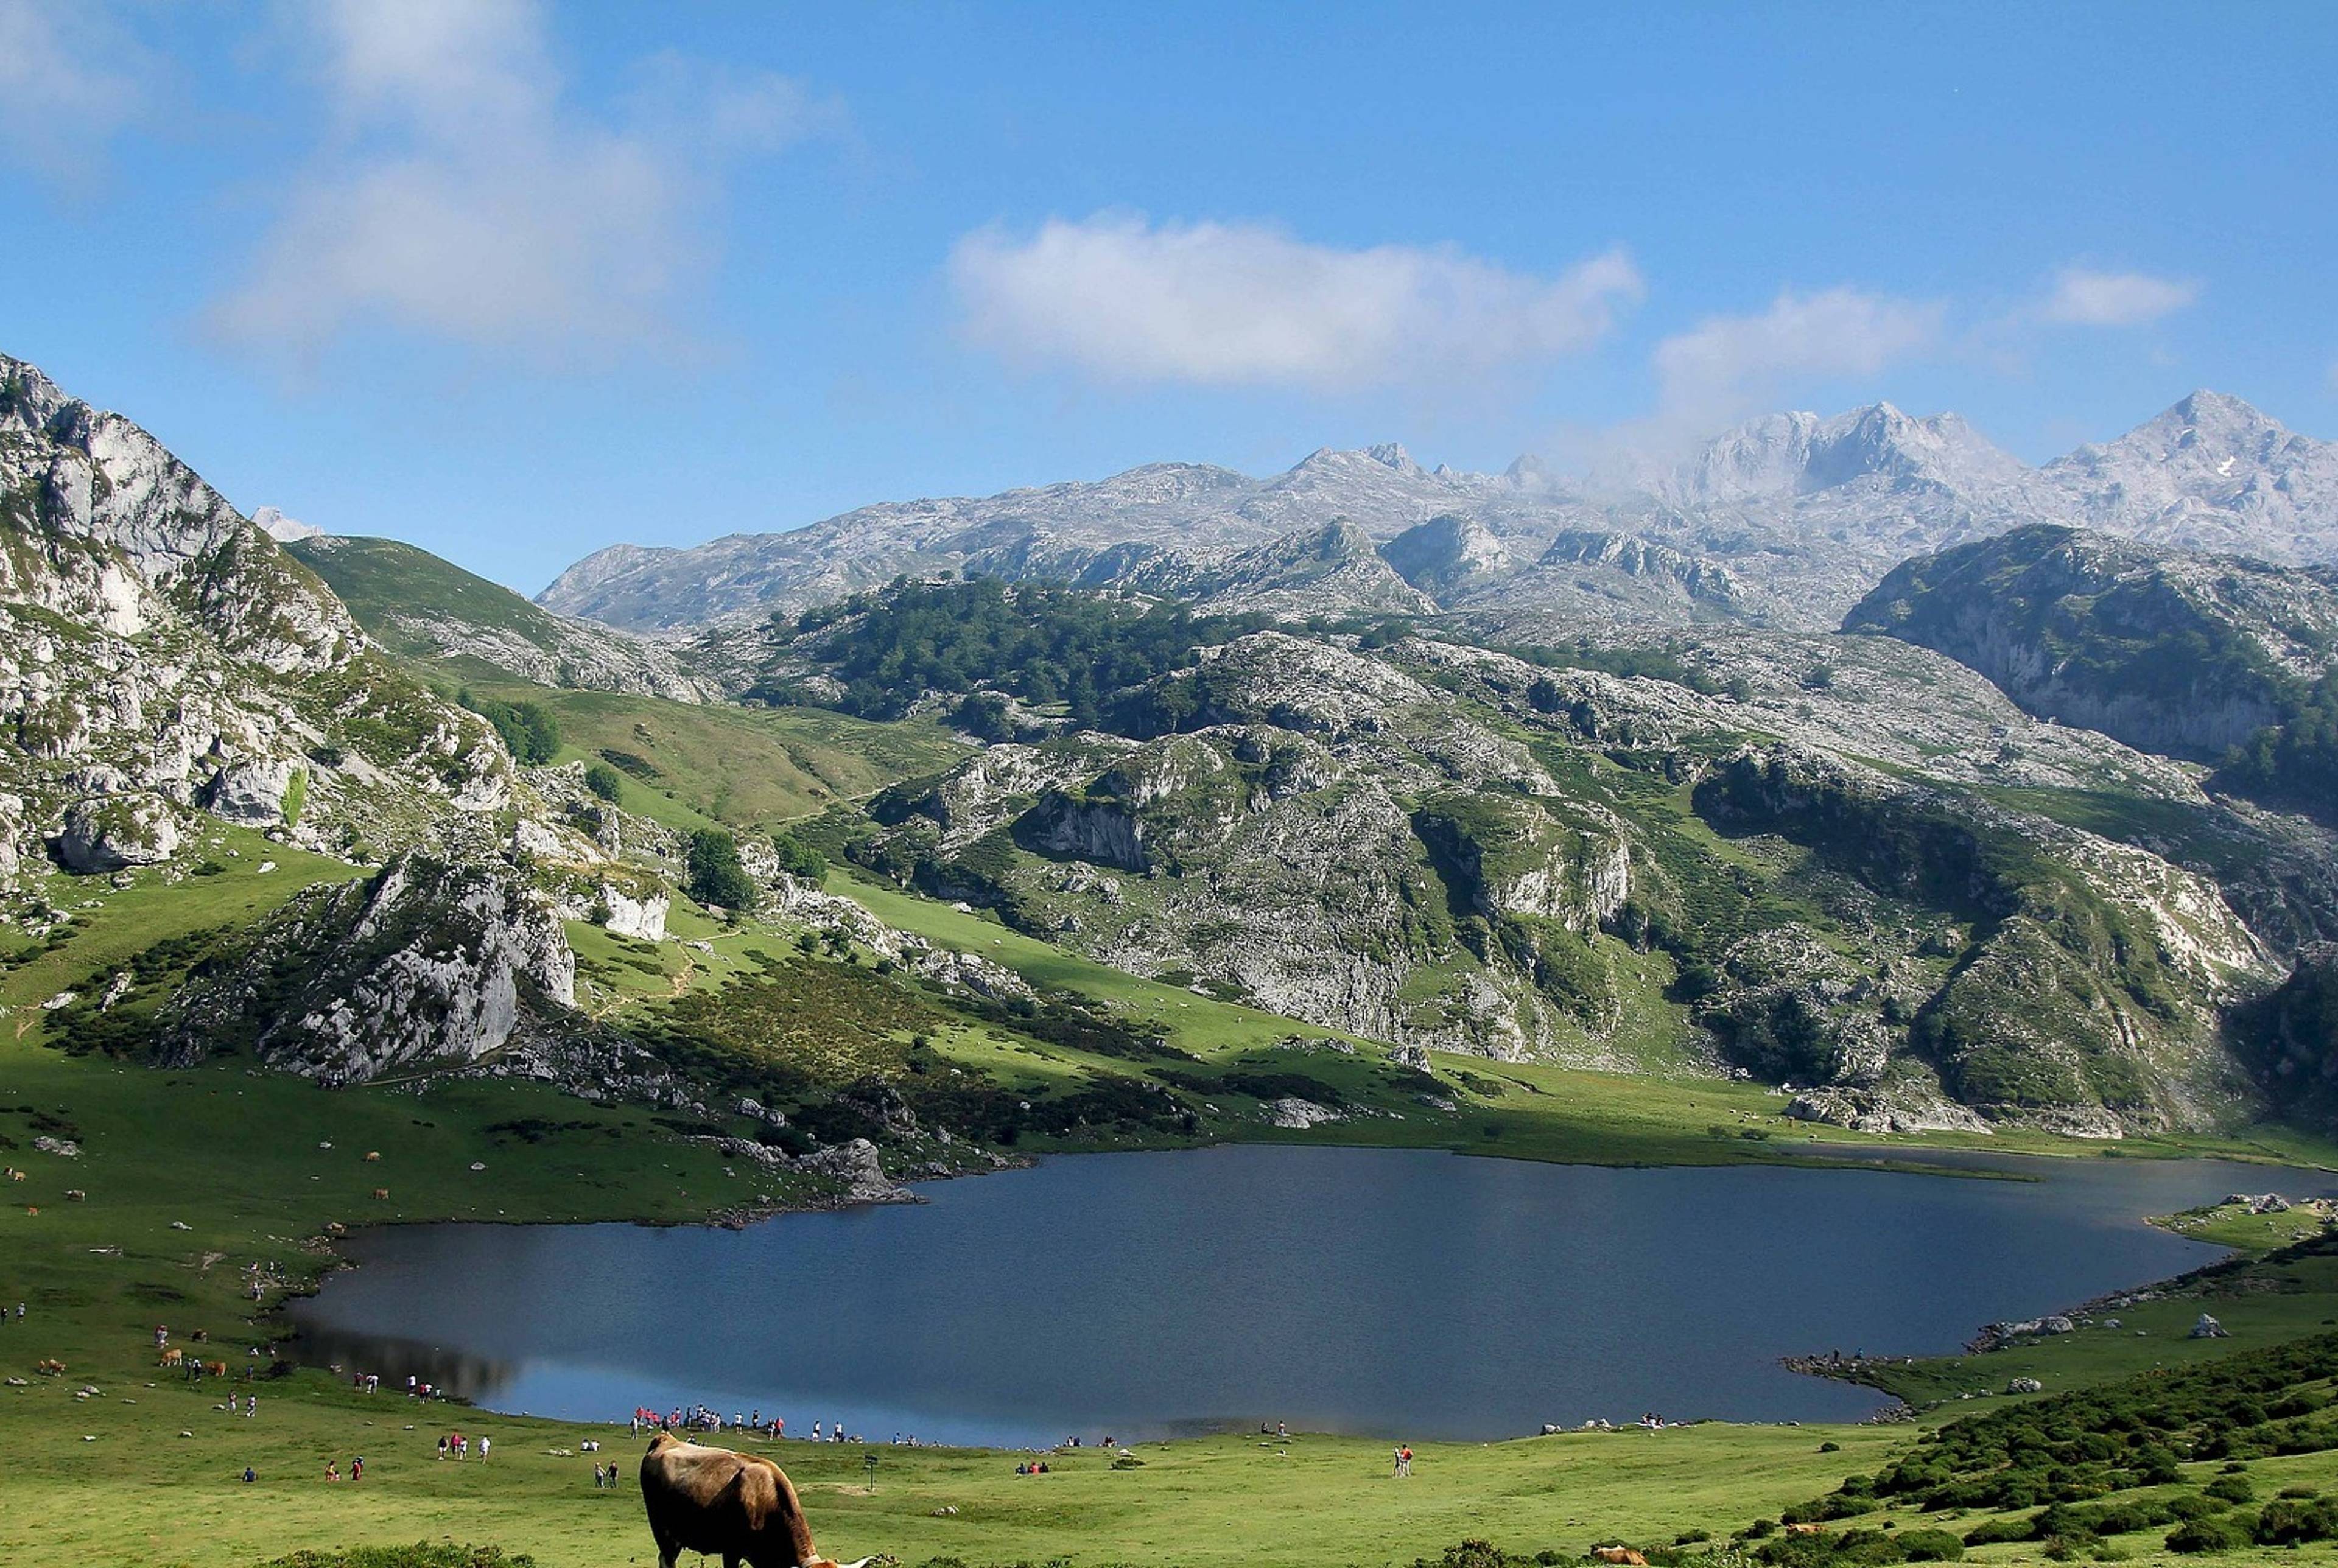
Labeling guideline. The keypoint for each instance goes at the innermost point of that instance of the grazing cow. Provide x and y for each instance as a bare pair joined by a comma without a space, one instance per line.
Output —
173,1355
740,1507
49,1369
1806,1529
382,1192
1622,1555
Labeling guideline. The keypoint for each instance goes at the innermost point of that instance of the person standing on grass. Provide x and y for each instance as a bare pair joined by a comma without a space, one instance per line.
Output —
1396,1457
600,1478
485,1443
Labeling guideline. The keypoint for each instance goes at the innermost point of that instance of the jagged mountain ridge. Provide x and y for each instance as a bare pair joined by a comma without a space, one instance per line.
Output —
1787,520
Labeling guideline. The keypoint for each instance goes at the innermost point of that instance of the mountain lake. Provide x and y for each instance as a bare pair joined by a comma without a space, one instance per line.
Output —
1404,1293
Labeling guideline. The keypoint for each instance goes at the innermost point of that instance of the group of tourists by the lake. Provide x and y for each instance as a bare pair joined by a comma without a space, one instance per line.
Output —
707,1419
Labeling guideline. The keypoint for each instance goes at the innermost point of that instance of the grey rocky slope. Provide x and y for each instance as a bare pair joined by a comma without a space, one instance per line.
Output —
430,963
1785,521
1822,868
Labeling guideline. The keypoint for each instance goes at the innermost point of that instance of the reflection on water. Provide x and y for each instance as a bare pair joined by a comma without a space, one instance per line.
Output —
481,1379
1397,1292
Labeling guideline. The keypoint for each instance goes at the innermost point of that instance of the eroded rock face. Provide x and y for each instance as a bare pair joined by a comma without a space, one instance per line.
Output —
856,1165
641,918
425,963
252,793
115,831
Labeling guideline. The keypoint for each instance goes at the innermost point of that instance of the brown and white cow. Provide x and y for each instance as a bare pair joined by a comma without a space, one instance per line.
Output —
740,1507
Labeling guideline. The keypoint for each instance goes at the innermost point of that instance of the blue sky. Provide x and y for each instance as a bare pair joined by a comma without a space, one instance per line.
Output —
515,282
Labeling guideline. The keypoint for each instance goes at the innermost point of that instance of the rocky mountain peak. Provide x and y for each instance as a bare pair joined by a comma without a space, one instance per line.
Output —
28,399
1801,454
2211,473
2214,425
1336,460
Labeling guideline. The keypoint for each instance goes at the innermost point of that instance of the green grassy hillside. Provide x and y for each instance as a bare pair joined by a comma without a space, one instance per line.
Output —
383,580
687,765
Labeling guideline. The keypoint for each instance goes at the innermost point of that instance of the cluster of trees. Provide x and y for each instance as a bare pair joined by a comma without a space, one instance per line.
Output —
530,734
712,873
1042,642
2293,763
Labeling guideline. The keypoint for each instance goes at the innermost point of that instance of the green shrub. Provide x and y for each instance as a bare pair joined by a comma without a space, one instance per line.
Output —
2228,1533
1930,1546
1474,1553
1998,1532
2231,1489
604,782
2288,1520
631,762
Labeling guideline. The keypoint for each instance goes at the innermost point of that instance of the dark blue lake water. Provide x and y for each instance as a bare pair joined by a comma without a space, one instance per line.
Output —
1398,1293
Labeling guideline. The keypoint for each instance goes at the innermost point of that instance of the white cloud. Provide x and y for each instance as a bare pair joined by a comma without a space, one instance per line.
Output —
1246,304
1728,365
463,196
2084,298
68,80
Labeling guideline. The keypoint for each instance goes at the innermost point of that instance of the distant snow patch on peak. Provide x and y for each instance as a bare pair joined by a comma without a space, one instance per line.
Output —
272,521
